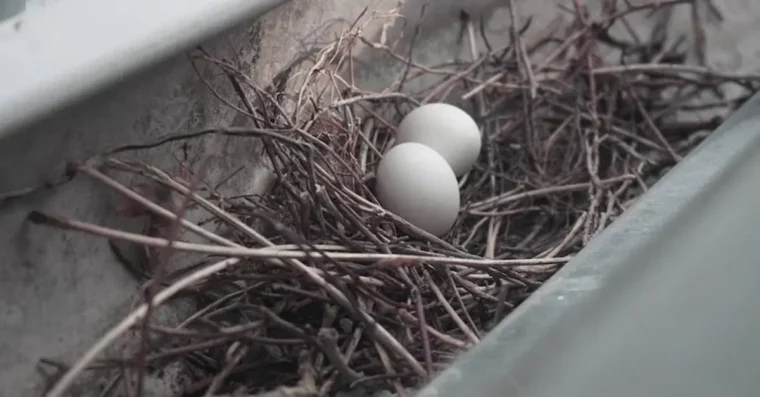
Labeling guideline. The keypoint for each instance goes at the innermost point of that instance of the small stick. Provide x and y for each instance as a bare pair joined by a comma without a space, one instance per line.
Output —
423,331
442,299
510,197
272,253
235,353
458,296
568,237
675,69
374,97
449,340
131,320
656,131
523,58
155,208
328,338
385,360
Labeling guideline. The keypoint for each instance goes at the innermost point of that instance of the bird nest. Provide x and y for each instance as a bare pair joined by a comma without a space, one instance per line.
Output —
314,289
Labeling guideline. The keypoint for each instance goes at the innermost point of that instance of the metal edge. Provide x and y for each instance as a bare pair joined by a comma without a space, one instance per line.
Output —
9,8
59,52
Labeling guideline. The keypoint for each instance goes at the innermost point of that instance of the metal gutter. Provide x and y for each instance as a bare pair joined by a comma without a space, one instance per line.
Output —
58,52
9,8
662,303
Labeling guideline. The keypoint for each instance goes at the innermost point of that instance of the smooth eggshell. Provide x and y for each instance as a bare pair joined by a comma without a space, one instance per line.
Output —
417,184
447,129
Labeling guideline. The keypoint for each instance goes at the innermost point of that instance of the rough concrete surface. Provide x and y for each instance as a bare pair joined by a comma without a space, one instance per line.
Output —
60,291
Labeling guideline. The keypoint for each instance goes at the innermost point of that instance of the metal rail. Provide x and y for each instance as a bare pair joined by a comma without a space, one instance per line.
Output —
9,8
662,303
58,52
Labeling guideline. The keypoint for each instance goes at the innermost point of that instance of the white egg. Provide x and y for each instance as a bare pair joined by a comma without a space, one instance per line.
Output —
447,129
417,184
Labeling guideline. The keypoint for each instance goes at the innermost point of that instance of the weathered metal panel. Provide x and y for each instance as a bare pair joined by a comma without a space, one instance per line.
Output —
96,43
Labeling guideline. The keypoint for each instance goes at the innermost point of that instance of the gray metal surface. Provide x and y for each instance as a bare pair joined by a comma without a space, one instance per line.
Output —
60,51
660,304
9,8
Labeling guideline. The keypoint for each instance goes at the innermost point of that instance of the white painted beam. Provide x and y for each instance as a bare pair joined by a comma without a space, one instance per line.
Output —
58,52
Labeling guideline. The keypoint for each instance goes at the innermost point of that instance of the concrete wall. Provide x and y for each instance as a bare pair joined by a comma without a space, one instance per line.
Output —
60,291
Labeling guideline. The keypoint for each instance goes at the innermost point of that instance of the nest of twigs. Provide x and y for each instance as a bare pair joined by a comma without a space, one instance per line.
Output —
315,289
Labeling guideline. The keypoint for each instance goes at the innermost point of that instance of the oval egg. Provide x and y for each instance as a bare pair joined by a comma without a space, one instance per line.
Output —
417,184
445,128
